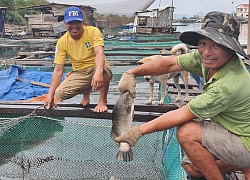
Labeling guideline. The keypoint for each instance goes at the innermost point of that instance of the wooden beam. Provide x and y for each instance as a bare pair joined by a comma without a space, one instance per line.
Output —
144,108
142,113
50,62
44,53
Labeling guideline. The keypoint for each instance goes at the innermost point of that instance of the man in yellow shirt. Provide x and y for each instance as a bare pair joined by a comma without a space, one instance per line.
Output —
84,47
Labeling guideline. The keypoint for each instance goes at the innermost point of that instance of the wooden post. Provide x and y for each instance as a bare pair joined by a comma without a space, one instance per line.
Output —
248,32
3,14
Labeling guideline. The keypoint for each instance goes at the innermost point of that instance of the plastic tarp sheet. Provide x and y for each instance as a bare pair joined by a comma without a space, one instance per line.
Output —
12,89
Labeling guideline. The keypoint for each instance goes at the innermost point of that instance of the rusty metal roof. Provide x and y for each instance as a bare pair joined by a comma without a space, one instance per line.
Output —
47,6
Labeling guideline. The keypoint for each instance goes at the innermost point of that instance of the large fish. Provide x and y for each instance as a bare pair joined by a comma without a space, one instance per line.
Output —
122,117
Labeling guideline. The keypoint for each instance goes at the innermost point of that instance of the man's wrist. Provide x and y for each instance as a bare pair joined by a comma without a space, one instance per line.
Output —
51,96
130,73
141,129
99,70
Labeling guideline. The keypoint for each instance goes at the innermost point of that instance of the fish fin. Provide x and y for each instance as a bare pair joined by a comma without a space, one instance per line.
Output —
125,156
113,135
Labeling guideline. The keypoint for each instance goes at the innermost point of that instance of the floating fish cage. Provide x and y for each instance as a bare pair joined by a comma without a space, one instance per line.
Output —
72,148
66,145
145,38
117,43
52,147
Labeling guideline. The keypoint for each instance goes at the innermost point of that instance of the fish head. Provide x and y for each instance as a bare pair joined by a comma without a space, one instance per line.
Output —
127,99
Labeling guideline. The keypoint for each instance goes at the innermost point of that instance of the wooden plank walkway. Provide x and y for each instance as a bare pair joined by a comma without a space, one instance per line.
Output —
193,87
72,108
69,108
194,91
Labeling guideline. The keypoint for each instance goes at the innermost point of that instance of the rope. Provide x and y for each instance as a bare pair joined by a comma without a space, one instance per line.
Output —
8,123
3,62
71,122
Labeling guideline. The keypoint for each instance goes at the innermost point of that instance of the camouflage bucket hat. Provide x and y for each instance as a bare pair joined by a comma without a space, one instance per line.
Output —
220,27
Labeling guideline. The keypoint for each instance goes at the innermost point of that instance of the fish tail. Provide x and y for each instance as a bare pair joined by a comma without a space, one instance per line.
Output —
125,155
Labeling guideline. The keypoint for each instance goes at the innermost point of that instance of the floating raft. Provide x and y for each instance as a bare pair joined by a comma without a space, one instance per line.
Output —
109,53
142,113
115,58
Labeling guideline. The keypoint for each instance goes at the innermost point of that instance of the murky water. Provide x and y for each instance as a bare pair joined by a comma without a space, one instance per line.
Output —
243,33
10,47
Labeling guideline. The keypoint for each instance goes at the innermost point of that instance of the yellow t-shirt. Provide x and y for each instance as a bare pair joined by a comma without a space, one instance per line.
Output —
80,52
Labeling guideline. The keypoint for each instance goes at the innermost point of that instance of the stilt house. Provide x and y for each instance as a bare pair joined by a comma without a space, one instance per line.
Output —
50,20
158,20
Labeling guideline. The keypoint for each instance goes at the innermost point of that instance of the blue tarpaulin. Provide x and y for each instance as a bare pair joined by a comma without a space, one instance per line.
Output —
13,89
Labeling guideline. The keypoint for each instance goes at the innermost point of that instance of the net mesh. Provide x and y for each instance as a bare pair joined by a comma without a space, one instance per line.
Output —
34,147
172,156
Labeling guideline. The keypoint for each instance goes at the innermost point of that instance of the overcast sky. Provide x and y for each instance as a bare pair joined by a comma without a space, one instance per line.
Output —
189,7
193,6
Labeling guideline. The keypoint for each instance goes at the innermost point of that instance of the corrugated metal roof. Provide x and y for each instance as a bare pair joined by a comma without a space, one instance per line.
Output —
3,8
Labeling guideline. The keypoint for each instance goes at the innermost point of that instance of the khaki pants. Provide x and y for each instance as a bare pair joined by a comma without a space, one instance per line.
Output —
224,145
77,82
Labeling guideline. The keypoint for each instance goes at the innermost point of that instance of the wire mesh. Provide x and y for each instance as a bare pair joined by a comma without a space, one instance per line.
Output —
73,148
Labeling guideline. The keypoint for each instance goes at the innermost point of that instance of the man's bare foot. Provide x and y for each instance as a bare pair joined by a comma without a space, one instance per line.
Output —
86,97
101,107
85,102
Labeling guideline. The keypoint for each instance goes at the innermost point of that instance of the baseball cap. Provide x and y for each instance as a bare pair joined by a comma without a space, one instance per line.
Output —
220,27
73,14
